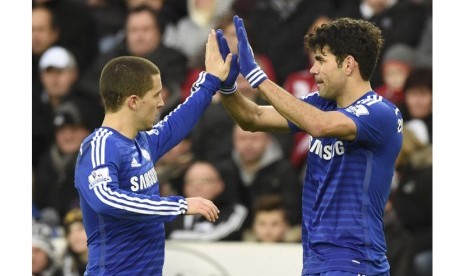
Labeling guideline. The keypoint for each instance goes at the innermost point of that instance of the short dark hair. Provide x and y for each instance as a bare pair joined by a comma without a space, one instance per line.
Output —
158,18
420,78
269,203
346,36
124,76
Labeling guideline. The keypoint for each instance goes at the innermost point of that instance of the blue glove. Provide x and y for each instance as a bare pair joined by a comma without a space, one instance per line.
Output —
247,65
229,85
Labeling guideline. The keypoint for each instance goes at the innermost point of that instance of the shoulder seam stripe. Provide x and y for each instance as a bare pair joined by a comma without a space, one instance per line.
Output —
98,147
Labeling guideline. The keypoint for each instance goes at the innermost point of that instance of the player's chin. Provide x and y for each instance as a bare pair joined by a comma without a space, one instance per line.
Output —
149,125
154,121
324,94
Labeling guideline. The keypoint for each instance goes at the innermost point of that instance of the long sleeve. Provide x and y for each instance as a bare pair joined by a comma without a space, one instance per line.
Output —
99,184
180,122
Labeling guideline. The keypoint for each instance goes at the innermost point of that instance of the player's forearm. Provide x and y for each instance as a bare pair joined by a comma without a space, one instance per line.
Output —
307,117
242,110
180,122
189,112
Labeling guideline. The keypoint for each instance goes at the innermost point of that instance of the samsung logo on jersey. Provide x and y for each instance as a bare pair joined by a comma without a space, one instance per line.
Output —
144,181
326,152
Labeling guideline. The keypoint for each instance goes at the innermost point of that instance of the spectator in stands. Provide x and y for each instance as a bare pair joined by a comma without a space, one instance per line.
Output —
189,34
109,17
424,51
397,62
400,22
155,5
271,222
54,181
258,168
59,73
419,100
171,11
77,29
75,257
43,252
414,195
204,180
409,224
285,22
45,33
409,227
144,30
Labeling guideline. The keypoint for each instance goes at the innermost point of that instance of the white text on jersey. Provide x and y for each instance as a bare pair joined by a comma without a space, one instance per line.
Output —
144,181
326,152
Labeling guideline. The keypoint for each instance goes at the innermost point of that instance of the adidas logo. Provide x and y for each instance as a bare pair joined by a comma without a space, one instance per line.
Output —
134,163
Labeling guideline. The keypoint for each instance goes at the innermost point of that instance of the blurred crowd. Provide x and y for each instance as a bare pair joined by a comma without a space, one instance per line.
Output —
254,178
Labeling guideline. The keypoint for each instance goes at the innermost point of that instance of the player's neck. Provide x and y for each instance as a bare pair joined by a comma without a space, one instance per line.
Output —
352,93
122,123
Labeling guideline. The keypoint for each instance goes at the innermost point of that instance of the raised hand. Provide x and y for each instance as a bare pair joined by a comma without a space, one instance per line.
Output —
247,65
205,207
214,63
228,86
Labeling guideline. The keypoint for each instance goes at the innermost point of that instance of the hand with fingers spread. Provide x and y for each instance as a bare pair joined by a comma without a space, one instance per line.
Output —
202,206
247,64
214,63
228,86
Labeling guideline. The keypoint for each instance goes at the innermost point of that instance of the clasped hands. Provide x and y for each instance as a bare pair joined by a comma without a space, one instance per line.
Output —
243,62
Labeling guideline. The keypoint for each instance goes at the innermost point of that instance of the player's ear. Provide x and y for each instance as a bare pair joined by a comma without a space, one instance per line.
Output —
349,65
131,102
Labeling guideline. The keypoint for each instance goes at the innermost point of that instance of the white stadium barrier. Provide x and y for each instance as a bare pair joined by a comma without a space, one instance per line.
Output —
232,259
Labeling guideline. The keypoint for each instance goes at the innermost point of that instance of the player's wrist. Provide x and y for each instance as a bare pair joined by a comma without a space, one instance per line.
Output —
226,90
209,81
212,78
183,205
256,77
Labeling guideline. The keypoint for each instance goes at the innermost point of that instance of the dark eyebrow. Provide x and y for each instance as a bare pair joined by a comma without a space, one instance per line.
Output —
319,58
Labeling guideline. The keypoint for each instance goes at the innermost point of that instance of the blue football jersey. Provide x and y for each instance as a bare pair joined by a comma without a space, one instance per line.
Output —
122,208
347,184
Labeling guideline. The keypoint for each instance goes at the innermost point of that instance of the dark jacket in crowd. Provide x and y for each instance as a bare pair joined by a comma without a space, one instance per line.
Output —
228,227
279,34
54,182
77,30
